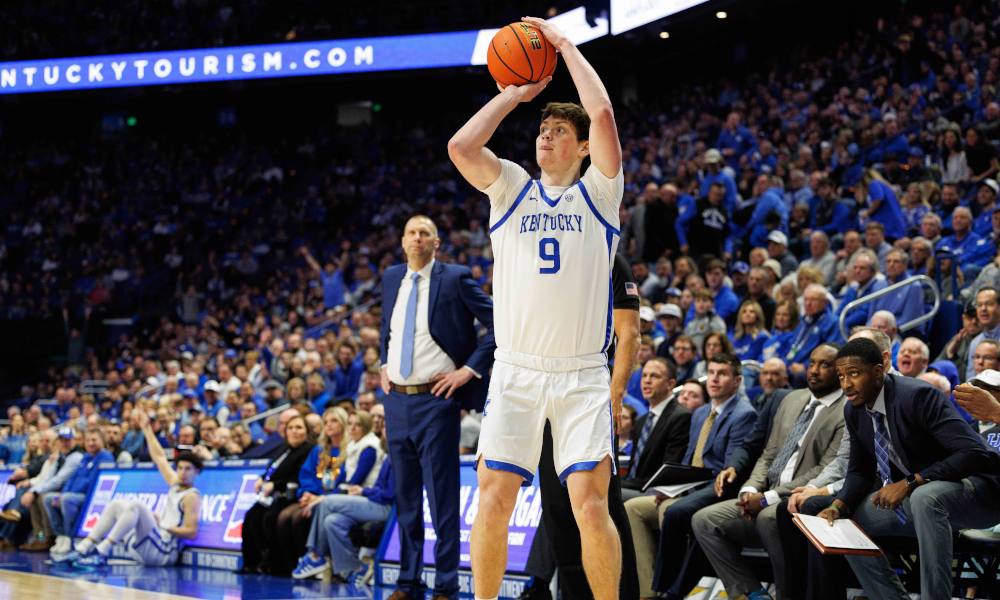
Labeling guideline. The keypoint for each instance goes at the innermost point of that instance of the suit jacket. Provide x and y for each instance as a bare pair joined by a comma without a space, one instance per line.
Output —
728,431
928,435
819,444
745,456
455,303
666,443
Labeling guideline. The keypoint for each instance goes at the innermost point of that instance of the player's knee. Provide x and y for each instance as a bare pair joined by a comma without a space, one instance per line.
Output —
495,498
591,512
136,505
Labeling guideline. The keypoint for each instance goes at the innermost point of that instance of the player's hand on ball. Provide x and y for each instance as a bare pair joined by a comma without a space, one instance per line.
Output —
526,92
552,33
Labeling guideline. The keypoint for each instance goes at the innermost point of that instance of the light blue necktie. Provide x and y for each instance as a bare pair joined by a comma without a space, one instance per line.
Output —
409,329
882,457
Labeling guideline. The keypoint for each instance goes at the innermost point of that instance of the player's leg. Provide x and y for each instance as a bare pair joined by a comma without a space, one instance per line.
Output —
583,450
509,448
602,552
107,520
488,545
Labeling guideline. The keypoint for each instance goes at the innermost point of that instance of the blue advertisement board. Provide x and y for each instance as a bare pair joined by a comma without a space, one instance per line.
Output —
523,523
293,59
226,494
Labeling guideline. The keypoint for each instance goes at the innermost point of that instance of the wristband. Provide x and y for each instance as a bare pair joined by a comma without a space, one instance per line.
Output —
834,507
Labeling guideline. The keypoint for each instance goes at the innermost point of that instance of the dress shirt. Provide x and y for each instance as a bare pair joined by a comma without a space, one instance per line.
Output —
428,358
721,407
787,474
657,411
880,408
832,476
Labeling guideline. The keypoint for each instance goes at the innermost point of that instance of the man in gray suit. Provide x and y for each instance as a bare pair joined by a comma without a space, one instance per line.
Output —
808,428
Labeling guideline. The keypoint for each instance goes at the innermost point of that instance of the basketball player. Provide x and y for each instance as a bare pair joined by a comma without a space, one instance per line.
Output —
554,241
152,539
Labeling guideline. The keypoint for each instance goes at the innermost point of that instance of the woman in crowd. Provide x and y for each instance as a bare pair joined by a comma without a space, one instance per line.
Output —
629,415
980,155
338,514
296,390
805,276
915,206
953,163
786,319
13,444
276,489
364,453
713,344
317,477
683,267
750,335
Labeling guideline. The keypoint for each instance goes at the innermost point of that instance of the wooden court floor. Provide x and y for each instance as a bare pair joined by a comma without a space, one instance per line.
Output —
15,585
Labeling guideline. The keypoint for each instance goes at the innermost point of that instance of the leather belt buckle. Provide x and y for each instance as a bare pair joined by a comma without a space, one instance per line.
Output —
412,390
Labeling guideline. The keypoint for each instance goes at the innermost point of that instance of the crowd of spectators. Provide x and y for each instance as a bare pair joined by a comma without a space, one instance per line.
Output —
753,216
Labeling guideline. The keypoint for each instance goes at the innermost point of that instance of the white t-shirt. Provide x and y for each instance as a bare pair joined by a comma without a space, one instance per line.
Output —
554,249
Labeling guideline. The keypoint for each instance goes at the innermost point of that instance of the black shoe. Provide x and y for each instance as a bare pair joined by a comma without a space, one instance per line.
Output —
536,592
248,571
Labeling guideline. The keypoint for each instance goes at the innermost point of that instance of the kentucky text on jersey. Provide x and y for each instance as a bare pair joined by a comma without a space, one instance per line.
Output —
551,223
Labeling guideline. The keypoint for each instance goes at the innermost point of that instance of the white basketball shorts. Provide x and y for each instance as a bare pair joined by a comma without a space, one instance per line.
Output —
574,394
152,550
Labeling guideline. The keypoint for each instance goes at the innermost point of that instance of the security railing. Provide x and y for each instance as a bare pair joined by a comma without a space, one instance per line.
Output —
918,279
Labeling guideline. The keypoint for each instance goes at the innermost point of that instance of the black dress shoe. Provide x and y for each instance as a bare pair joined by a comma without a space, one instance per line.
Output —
248,571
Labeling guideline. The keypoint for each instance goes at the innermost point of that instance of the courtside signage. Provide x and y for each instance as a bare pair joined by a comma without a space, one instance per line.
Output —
226,495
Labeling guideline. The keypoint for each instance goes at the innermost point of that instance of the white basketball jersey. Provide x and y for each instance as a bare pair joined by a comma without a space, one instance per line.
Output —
172,513
553,250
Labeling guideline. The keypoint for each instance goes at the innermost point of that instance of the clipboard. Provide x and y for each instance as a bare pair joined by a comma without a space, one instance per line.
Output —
672,473
832,550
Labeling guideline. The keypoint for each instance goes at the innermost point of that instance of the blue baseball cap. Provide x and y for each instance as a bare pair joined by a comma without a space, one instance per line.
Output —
189,393
740,267
230,353
916,152
674,292
67,432
197,407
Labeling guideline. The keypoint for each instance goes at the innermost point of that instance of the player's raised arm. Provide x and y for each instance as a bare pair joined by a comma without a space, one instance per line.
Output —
156,450
605,148
467,148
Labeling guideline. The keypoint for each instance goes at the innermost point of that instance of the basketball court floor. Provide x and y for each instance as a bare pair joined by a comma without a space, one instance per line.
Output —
25,576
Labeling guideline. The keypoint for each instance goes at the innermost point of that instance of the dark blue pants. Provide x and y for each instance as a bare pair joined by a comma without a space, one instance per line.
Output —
679,568
423,434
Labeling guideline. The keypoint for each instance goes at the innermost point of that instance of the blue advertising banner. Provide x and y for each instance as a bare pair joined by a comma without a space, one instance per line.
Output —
226,495
452,49
6,489
523,523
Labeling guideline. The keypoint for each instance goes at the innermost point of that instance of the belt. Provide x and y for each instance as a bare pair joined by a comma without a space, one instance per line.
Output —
411,390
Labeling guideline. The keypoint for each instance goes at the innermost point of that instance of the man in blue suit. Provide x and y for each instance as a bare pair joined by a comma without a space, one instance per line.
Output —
717,430
436,365
937,474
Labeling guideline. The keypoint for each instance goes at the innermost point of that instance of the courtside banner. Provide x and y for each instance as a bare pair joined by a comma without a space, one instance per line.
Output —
523,523
226,494
294,59
6,490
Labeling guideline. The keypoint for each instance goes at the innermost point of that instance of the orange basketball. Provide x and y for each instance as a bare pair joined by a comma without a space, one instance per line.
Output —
520,54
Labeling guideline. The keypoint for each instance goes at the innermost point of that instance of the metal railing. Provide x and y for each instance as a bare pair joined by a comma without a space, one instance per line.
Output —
918,279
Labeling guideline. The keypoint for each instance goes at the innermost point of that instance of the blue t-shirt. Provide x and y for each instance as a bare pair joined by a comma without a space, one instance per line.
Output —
749,347
333,288
16,446
888,214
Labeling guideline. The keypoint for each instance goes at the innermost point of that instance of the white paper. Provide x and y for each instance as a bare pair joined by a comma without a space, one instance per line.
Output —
844,534
672,491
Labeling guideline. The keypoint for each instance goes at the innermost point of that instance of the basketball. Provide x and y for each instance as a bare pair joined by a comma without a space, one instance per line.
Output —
520,54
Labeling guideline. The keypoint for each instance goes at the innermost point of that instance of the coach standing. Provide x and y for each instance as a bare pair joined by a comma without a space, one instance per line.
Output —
435,366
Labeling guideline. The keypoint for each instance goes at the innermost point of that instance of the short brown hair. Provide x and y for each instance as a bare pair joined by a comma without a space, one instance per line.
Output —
703,294
572,113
